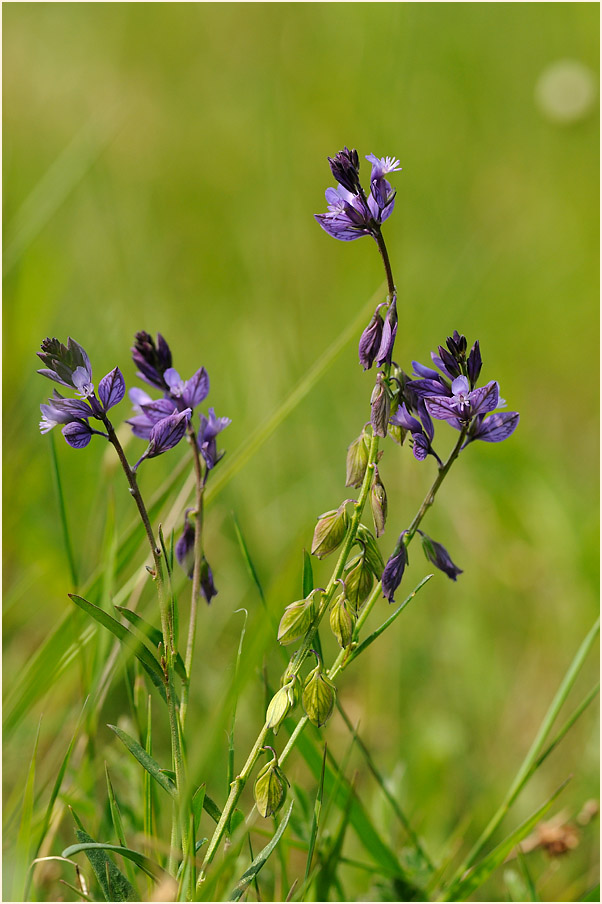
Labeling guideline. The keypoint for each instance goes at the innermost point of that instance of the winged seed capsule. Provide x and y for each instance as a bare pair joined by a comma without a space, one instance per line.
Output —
342,621
270,788
330,531
357,461
298,619
319,696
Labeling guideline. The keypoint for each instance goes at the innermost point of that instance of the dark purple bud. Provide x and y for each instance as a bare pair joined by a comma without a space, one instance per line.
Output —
62,362
208,431
457,345
151,360
166,434
111,389
207,586
380,407
370,340
385,351
439,556
77,433
185,547
394,569
450,363
496,427
474,364
345,168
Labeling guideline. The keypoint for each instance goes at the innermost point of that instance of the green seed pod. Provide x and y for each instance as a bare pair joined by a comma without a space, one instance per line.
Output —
397,434
372,555
297,619
270,789
283,701
357,461
358,580
319,696
380,406
342,621
378,503
329,532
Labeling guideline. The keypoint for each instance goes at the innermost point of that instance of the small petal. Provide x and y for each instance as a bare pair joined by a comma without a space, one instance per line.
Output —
394,569
167,433
497,427
111,389
78,434
196,389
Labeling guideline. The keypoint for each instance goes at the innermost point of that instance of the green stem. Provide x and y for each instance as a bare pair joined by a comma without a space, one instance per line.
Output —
196,574
168,636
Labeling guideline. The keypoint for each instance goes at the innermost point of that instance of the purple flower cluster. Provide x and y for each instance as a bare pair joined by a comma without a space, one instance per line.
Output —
171,414
351,213
451,394
70,366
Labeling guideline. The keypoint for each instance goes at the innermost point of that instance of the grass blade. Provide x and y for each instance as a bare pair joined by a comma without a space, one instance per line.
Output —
308,574
258,863
248,560
23,848
147,660
113,883
145,760
117,822
527,767
460,890
153,634
235,701
149,866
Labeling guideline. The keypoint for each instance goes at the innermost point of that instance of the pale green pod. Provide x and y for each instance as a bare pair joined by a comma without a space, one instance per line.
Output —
372,554
358,579
378,503
357,461
278,708
270,789
329,532
297,619
318,698
342,621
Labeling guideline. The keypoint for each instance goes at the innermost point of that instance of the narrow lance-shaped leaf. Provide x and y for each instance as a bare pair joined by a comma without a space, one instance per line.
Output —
145,760
259,862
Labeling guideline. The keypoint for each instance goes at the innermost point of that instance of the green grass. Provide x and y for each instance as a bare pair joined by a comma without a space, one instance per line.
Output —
161,167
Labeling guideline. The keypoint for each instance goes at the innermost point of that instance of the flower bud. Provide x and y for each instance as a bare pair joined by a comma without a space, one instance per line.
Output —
319,696
370,340
283,701
380,407
329,532
358,580
439,556
378,503
297,619
342,621
372,554
270,789
357,461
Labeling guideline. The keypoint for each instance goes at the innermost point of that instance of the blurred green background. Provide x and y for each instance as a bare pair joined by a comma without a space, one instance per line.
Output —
162,163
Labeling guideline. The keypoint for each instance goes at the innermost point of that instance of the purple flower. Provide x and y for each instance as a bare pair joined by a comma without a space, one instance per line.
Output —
148,412
394,569
166,434
495,428
208,431
111,389
385,351
207,586
151,360
187,393
370,340
380,189
421,438
439,556
464,404
185,547
351,214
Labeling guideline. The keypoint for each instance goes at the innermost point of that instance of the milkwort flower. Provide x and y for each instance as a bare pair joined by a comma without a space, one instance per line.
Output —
450,394
70,366
351,212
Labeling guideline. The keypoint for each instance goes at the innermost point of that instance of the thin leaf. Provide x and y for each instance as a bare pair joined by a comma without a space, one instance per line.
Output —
77,891
23,848
147,660
117,822
152,869
566,727
389,621
528,879
308,574
235,702
476,876
113,883
145,760
258,863
153,634
248,560
198,801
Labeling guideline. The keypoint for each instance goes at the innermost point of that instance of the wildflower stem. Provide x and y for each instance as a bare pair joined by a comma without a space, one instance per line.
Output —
200,481
378,237
168,637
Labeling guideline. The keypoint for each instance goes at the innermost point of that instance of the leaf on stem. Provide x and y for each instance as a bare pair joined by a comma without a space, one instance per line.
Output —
260,860
145,760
